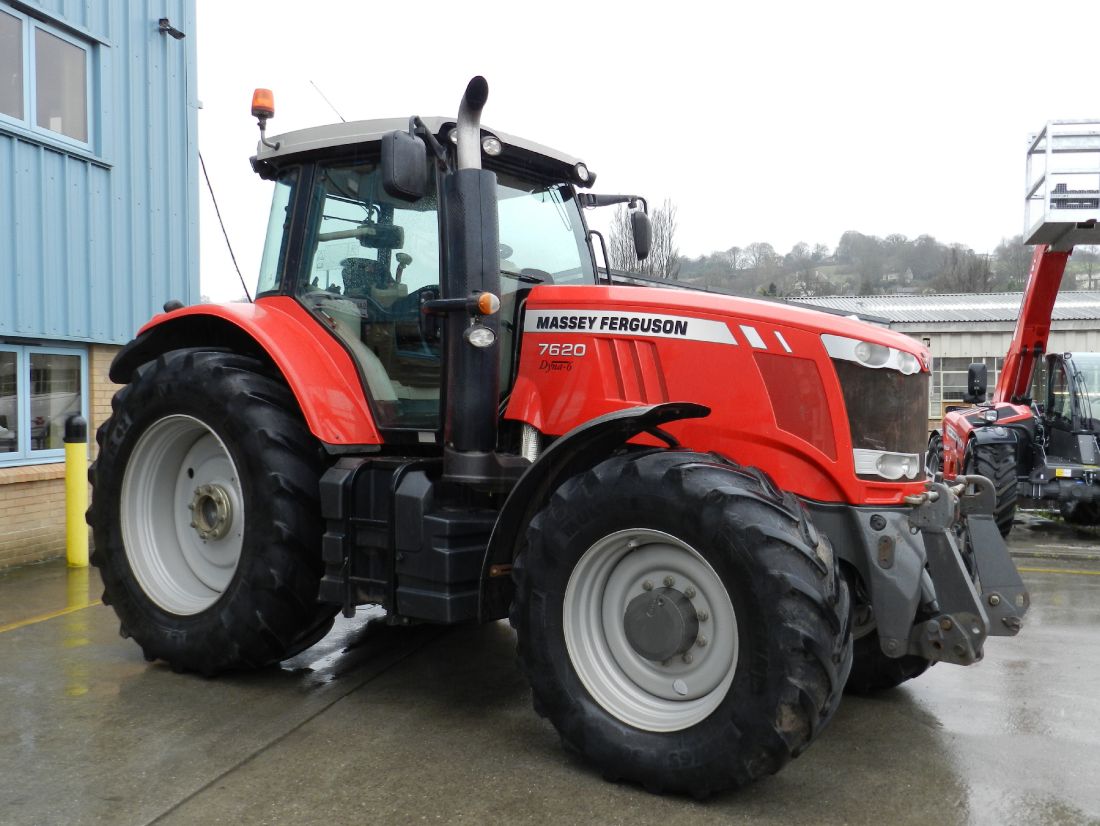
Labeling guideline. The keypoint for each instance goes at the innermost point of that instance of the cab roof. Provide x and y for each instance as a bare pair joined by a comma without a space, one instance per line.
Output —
367,131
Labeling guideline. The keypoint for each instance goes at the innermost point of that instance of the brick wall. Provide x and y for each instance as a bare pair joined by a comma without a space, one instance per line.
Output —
32,498
101,388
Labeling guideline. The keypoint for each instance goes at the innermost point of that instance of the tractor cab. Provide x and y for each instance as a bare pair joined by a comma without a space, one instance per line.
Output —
369,265
1070,426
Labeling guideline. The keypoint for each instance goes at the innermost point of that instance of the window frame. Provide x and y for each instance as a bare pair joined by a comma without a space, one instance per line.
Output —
28,124
25,454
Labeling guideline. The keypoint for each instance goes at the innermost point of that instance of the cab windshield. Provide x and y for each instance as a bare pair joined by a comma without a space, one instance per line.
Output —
368,262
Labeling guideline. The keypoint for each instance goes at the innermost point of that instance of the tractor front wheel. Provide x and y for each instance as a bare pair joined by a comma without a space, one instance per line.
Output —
933,460
206,517
996,462
681,622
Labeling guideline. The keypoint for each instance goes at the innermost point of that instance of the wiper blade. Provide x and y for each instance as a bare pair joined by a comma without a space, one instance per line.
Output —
519,276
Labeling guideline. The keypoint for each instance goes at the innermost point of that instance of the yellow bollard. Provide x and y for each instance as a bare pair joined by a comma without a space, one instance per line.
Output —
76,491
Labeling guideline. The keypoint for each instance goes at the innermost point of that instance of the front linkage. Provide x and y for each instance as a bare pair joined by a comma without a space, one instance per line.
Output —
978,592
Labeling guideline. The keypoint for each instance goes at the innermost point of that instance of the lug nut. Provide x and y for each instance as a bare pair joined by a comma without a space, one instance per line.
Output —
701,642
689,592
670,581
647,586
687,657
703,616
994,600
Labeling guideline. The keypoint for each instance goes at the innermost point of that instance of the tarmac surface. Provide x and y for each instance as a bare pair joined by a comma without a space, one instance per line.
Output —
426,725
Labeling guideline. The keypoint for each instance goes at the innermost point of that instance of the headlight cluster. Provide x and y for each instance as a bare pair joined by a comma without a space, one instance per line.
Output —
870,354
888,465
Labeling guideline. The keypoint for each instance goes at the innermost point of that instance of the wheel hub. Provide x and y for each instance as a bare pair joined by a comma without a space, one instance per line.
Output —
212,511
660,624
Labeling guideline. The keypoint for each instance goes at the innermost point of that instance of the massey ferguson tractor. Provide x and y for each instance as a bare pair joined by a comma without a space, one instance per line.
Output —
703,515
1037,440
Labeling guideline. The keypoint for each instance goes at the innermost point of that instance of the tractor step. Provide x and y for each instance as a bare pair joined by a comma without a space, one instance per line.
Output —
395,537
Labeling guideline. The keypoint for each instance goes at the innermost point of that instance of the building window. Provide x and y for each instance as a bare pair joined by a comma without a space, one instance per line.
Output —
44,79
40,388
11,66
949,381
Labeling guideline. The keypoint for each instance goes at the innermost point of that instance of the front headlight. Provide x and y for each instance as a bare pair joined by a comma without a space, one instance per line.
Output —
869,354
892,466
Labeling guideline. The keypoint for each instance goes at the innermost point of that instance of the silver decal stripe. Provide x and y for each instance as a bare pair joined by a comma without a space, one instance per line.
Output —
783,341
754,337
602,322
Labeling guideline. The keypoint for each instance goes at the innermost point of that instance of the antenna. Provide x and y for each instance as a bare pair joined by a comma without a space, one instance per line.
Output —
326,100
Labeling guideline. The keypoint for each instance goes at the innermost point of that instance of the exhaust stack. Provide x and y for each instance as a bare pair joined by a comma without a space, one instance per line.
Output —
472,266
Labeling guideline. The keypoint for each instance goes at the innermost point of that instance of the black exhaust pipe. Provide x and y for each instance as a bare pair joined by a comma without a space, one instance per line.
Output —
471,266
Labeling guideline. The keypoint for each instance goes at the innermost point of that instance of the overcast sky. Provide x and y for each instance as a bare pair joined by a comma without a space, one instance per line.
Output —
779,122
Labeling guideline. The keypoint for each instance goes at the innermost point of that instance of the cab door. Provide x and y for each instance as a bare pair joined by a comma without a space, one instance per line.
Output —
1060,412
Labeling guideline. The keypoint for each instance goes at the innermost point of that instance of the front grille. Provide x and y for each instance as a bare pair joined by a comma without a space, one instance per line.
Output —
887,410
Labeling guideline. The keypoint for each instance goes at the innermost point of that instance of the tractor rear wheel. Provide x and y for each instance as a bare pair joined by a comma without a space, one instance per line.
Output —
1080,513
206,514
681,622
996,462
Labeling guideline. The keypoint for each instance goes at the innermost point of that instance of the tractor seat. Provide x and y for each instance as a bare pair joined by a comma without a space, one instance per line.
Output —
363,274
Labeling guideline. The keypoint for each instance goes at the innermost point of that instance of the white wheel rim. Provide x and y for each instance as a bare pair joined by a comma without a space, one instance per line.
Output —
179,464
653,696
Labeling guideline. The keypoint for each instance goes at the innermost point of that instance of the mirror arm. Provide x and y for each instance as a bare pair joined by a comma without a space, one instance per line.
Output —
589,199
417,127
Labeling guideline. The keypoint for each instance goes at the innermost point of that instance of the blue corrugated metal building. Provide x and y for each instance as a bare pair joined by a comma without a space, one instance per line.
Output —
98,222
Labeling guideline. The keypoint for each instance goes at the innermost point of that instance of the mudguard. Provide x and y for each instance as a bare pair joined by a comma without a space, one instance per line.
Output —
319,371
579,449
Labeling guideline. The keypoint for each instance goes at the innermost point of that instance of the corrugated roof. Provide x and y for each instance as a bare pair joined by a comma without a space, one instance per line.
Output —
1072,305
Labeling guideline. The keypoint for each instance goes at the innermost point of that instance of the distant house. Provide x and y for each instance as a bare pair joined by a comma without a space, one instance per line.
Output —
98,224
965,328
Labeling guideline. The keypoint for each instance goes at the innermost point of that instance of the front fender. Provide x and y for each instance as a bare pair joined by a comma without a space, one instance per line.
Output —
581,448
319,371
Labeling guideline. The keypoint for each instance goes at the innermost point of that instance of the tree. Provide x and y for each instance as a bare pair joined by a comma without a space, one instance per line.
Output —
664,256
761,256
663,260
1012,259
965,271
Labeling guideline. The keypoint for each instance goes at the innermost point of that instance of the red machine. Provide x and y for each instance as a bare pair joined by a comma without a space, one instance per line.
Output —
1039,444
705,516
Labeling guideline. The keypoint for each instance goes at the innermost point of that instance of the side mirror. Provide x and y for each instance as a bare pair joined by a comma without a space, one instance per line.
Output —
639,226
976,381
404,166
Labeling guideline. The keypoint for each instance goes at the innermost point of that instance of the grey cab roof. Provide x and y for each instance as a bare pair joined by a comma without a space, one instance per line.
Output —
365,131
1071,305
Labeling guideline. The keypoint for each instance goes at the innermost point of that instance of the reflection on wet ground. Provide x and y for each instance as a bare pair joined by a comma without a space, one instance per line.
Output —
407,724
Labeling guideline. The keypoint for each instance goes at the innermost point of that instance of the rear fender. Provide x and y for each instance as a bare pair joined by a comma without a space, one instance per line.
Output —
319,371
579,449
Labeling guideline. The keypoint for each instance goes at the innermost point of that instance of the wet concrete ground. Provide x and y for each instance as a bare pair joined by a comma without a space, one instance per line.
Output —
422,725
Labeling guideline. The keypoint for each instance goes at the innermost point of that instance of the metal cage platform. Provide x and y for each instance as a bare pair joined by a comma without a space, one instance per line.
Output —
1062,186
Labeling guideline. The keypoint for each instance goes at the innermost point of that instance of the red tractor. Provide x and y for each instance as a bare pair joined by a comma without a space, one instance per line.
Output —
703,515
1038,441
